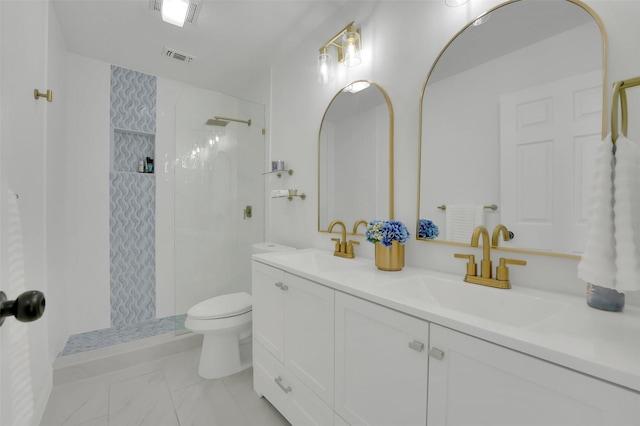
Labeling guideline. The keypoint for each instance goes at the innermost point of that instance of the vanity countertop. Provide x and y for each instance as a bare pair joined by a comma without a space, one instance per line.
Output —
555,327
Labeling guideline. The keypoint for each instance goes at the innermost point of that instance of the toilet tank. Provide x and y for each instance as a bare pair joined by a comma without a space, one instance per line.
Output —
269,247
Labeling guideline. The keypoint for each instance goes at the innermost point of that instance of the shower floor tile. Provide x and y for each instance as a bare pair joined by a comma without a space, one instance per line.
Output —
161,392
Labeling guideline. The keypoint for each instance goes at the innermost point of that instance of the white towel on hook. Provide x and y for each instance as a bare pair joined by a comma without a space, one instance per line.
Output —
626,211
597,265
462,219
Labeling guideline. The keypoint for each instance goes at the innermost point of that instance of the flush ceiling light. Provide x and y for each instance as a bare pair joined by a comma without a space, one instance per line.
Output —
174,11
181,17
348,44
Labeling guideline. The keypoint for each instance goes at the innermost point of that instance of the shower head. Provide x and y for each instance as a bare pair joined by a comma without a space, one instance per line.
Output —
216,122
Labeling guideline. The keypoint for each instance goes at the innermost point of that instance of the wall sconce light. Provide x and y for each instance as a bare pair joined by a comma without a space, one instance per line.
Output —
348,44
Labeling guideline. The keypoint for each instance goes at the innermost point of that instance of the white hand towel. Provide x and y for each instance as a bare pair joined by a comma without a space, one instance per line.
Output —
462,219
597,265
626,211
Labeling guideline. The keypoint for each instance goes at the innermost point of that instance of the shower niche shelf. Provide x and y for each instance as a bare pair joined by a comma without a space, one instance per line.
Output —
129,147
132,131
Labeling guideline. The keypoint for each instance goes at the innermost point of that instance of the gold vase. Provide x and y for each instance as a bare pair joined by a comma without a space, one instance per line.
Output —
390,258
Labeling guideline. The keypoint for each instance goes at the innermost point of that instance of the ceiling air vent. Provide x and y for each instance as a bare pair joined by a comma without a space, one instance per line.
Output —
192,13
178,56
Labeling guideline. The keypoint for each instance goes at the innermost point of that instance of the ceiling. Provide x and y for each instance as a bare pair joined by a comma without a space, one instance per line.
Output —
233,41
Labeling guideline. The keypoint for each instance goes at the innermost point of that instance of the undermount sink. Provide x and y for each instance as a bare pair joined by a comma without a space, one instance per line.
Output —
515,307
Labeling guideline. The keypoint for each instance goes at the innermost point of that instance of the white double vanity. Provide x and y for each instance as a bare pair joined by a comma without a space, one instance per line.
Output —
338,342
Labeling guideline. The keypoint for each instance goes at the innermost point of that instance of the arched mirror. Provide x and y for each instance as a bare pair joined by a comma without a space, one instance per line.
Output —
355,157
511,112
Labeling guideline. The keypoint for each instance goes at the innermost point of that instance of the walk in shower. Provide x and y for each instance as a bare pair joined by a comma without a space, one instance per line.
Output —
219,195
180,231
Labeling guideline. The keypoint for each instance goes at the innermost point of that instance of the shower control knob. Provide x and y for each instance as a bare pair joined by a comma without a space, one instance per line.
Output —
27,307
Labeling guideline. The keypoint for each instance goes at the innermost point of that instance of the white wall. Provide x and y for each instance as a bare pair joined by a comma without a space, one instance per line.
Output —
33,164
87,197
56,150
401,40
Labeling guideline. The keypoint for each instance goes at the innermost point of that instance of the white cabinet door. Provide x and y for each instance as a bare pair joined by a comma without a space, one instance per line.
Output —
479,383
268,308
381,364
309,334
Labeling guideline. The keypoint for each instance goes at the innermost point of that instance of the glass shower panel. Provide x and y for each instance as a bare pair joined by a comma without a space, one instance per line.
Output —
218,172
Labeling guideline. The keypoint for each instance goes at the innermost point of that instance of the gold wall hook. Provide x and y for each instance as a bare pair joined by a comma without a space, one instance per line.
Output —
37,94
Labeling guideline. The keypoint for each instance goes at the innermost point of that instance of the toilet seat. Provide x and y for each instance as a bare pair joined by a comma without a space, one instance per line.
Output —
227,305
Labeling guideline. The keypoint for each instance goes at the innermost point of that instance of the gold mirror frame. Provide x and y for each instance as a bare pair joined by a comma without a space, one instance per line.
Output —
391,149
598,21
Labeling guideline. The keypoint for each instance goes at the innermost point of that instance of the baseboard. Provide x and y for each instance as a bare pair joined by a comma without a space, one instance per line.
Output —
80,366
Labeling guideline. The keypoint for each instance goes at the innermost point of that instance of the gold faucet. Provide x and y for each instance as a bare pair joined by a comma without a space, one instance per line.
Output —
502,272
358,223
506,235
350,253
341,244
485,268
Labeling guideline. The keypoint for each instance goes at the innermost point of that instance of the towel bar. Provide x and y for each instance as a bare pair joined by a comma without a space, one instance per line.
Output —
619,92
491,207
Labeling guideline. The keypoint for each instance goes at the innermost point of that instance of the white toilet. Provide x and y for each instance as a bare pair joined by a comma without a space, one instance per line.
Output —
225,322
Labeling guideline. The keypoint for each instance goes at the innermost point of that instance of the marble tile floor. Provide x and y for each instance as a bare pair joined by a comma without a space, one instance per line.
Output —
167,391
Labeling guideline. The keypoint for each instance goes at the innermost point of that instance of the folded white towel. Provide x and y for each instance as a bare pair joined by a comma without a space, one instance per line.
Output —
462,219
626,211
597,265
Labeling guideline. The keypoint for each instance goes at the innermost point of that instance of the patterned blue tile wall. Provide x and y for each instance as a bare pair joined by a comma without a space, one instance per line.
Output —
133,100
132,200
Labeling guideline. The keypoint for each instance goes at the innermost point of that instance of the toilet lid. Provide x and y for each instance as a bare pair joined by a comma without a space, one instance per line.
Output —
227,305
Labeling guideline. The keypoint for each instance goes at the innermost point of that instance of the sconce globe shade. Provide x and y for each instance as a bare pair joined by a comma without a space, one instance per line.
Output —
351,49
325,69
455,3
174,11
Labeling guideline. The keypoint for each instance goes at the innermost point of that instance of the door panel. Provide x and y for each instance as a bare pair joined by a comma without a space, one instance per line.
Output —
546,161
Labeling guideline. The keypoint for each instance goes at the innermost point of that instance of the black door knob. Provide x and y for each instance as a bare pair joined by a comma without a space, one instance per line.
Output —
27,307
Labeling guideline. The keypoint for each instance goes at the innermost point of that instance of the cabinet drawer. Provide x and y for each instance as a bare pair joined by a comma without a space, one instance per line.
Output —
293,399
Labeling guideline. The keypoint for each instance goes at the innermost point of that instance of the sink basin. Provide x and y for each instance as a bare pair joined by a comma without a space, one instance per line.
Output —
515,307
311,260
